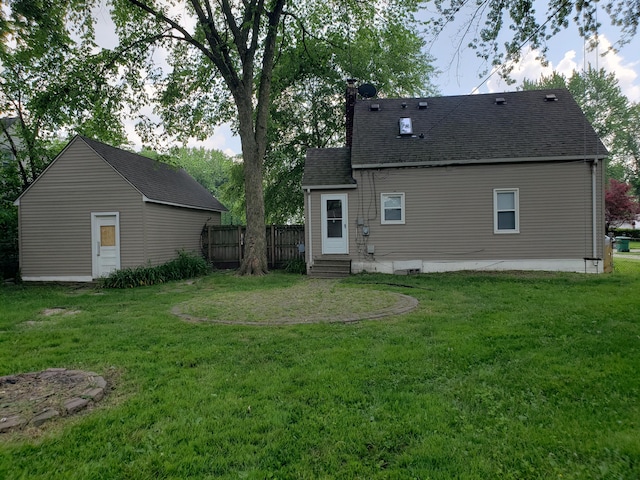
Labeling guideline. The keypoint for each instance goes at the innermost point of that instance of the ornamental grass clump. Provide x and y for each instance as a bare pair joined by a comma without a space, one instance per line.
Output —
186,265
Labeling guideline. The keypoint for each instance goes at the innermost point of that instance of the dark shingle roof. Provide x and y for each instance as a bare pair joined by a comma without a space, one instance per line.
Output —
327,167
157,181
474,128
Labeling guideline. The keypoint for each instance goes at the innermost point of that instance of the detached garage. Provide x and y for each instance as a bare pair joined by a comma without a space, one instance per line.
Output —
97,208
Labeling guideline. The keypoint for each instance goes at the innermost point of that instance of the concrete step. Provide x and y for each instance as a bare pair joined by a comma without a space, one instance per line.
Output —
330,268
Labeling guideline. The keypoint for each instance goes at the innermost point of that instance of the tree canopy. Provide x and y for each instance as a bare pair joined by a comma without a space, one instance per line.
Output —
621,206
615,119
497,30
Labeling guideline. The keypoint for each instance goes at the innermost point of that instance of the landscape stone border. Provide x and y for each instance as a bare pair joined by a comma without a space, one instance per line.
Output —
71,403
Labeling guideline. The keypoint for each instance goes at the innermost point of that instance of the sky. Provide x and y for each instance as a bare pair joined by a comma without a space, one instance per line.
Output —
459,70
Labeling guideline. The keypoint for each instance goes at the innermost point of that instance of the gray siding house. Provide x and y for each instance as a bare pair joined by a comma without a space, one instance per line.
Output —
97,208
510,181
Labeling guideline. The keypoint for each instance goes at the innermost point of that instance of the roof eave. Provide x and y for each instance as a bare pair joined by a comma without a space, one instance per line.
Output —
329,187
182,205
479,161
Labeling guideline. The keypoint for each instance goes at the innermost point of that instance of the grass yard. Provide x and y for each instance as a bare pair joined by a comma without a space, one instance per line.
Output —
493,375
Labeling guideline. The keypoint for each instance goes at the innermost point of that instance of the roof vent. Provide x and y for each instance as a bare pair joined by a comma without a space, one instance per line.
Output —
404,105
551,97
422,105
374,107
501,101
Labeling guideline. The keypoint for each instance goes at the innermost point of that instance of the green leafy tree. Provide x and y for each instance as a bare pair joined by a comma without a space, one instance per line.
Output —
613,116
482,24
214,170
308,107
50,87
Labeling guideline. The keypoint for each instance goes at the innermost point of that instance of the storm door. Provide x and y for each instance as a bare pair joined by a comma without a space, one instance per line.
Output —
334,224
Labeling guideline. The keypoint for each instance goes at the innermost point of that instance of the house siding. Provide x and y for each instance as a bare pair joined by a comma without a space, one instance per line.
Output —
449,214
169,229
55,215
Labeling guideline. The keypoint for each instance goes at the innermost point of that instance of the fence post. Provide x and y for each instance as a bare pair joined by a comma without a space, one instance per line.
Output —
273,246
209,242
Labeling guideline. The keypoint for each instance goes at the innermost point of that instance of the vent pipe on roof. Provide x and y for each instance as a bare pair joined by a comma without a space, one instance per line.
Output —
374,107
501,101
422,105
550,98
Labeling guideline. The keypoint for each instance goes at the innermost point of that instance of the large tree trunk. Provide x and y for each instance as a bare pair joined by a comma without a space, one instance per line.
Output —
255,241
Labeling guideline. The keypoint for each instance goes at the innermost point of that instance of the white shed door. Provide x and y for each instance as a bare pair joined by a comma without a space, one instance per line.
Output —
106,243
334,224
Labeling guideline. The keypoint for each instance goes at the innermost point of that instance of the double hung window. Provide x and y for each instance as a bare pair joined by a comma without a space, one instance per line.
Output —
506,210
392,208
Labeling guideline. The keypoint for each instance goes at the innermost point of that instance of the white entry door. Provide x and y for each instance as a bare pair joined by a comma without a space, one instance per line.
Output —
105,237
334,224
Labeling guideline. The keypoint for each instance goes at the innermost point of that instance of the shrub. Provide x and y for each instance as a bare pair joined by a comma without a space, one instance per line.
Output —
627,232
296,265
186,265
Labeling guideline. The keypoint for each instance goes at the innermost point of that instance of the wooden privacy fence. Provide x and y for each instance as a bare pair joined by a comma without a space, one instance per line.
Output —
223,245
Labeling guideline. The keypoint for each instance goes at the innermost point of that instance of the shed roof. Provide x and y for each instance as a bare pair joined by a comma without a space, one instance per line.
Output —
157,181
510,126
327,167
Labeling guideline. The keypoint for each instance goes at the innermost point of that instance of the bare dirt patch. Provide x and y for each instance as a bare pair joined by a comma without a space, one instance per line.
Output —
31,399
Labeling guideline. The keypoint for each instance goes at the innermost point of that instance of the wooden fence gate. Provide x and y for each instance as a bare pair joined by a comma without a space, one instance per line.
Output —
223,245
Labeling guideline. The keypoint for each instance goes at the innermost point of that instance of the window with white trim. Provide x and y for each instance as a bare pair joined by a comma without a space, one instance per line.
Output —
506,210
392,208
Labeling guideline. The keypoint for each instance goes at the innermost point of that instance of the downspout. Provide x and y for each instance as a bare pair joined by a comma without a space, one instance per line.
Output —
594,211
309,222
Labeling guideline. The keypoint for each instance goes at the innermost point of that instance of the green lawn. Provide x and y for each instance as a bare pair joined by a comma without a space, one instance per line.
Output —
493,375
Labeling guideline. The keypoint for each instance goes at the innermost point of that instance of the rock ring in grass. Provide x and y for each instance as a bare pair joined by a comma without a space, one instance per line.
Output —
31,399
310,301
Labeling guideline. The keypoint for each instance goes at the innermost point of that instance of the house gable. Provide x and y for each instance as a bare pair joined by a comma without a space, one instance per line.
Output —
157,181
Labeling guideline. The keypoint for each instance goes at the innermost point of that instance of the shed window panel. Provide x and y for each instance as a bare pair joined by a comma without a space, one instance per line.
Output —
392,208
506,215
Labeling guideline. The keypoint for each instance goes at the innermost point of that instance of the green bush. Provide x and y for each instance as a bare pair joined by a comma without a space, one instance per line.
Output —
296,265
186,265
627,232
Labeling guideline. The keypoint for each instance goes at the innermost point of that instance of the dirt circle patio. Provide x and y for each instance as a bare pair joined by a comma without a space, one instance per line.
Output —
31,399
310,301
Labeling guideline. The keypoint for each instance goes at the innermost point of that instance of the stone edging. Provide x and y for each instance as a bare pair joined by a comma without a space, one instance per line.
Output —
93,393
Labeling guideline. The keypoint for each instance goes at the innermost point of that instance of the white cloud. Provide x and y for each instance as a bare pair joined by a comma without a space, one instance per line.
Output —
531,68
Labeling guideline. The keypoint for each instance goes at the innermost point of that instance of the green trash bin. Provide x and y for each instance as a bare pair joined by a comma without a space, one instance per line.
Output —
622,244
